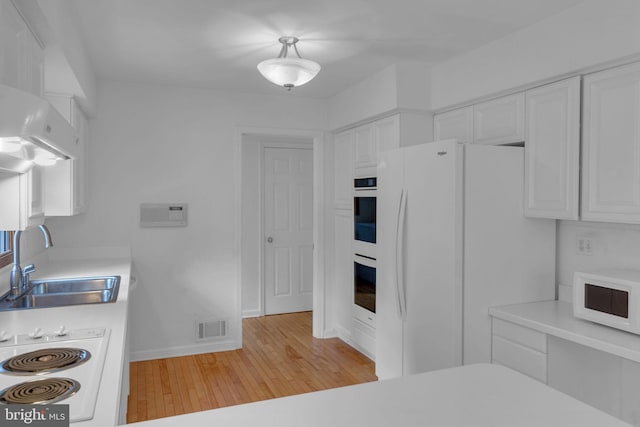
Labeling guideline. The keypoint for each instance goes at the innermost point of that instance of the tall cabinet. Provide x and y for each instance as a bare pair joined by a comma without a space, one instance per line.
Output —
355,155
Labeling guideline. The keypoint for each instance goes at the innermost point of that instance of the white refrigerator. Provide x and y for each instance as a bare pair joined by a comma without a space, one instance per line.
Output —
452,242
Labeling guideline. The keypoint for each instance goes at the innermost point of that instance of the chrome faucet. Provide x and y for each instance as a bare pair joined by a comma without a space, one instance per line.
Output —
19,279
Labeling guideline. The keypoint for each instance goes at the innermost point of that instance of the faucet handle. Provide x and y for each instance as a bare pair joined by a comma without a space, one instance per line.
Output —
25,275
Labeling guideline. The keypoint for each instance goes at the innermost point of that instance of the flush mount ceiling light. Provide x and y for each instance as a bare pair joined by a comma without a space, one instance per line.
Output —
288,71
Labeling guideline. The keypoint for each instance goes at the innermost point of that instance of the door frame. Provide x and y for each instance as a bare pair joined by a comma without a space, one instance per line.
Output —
248,135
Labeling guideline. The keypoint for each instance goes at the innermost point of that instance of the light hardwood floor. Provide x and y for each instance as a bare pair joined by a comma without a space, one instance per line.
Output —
279,358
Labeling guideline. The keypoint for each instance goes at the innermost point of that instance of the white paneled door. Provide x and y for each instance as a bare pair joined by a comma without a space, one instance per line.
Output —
288,229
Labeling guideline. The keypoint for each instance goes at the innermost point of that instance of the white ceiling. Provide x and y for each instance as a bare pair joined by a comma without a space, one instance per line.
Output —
218,43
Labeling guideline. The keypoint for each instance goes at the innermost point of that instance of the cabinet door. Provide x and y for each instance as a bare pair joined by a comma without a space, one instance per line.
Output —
365,150
611,146
387,133
499,121
343,170
455,124
343,270
79,172
31,201
66,180
552,150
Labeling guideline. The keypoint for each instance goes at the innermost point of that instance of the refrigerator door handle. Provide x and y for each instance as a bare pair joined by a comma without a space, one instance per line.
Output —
399,264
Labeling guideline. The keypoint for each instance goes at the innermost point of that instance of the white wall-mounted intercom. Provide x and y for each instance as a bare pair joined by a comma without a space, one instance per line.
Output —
163,214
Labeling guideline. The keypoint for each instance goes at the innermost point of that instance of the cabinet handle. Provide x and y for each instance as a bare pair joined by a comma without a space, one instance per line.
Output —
269,239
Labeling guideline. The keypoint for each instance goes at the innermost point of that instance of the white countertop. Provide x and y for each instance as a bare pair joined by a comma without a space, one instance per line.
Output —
475,395
556,318
110,315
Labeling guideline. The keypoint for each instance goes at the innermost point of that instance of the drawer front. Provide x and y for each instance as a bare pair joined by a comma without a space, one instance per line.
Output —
521,335
365,316
364,338
523,359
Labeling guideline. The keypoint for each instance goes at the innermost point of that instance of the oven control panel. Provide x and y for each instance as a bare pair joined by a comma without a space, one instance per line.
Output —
39,335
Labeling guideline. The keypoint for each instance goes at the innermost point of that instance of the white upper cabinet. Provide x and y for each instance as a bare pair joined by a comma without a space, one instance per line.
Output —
454,124
552,150
355,151
343,170
365,147
27,189
611,145
66,189
386,134
500,120
21,57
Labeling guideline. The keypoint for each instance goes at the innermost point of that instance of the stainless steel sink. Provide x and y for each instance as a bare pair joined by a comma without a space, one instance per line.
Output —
65,292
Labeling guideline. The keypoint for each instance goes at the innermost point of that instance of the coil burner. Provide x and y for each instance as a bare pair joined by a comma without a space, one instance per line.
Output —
44,361
39,392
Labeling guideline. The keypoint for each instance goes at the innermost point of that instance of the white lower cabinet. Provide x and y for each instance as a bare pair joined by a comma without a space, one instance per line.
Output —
605,381
519,348
342,291
364,337
593,363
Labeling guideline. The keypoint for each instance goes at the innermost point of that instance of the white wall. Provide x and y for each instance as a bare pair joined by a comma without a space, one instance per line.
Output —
169,144
590,33
614,246
68,67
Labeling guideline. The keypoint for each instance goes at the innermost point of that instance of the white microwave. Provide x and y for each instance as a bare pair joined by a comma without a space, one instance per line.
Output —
610,297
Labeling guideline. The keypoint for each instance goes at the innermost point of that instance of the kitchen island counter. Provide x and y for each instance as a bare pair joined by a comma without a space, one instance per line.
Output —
112,316
480,395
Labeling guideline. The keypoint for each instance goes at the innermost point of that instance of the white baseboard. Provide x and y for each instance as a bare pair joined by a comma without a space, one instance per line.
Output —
185,350
251,313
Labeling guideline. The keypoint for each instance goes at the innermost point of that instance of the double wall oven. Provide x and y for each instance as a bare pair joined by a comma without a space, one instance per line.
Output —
364,244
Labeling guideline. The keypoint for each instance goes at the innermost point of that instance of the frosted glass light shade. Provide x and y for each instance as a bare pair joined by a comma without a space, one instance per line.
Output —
289,72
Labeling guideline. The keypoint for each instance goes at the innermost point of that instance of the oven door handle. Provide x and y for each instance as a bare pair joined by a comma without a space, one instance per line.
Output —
399,261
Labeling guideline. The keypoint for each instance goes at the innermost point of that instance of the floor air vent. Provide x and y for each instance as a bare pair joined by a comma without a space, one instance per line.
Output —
211,329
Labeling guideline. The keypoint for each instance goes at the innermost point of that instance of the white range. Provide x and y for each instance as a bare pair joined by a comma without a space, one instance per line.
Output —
54,367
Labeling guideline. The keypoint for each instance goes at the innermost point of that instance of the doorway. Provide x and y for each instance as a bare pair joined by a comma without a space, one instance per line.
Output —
253,238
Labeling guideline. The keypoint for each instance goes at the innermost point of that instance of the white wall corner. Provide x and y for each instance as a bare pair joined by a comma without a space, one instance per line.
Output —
401,86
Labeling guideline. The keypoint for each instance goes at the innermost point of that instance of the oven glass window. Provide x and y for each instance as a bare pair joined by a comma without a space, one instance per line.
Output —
364,216
606,300
365,286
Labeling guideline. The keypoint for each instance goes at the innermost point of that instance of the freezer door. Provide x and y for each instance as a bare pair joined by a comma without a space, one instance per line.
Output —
433,257
419,301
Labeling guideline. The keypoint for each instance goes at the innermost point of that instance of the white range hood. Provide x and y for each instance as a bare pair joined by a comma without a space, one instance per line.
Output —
32,132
